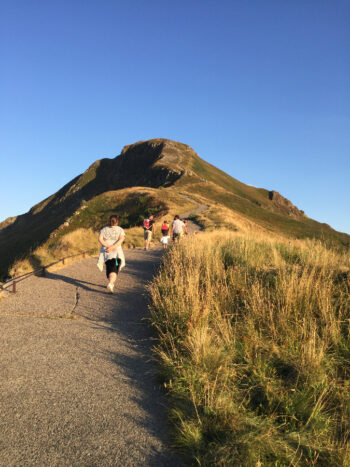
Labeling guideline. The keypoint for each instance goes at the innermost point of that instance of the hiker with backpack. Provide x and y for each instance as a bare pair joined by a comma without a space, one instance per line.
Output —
111,255
148,230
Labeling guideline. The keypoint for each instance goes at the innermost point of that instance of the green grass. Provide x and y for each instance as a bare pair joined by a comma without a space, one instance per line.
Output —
130,209
273,221
230,184
254,350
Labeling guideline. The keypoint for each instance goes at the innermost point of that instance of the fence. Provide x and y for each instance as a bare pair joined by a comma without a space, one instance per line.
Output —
12,283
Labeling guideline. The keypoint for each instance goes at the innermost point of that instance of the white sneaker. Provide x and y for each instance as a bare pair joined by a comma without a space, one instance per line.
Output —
110,288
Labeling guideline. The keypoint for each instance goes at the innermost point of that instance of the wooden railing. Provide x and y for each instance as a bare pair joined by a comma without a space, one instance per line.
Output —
11,284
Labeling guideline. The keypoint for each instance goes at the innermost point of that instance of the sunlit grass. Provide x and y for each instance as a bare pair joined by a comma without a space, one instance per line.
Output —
254,348
72,243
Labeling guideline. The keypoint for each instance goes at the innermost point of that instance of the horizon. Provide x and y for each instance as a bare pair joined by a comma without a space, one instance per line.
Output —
259,91
161,138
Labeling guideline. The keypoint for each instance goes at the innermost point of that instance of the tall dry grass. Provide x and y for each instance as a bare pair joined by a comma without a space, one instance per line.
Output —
254,349
72,243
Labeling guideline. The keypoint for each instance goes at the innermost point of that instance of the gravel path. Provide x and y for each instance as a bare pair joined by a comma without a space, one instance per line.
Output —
198,210
77,384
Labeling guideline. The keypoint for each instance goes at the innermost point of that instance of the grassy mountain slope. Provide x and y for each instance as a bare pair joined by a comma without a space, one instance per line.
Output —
172,172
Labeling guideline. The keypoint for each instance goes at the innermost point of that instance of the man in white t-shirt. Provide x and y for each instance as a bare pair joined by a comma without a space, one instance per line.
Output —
177,228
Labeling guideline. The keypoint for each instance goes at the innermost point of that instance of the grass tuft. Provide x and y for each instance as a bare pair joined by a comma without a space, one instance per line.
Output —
254,349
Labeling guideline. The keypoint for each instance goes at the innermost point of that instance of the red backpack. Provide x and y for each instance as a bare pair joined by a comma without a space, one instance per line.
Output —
146,224
165,226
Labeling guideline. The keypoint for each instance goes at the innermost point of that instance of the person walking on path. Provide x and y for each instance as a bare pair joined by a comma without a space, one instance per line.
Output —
165,228
177,227
165,235
148,228
111,238
164,241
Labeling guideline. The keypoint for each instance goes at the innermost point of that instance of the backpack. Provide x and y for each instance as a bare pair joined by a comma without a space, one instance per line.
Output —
146,224
165,226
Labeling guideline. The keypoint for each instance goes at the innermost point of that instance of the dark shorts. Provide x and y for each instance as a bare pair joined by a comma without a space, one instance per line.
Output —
165,232
111,266
176,235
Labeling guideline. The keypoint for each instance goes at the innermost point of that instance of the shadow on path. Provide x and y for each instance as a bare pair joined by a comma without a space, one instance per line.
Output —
76,282
125,314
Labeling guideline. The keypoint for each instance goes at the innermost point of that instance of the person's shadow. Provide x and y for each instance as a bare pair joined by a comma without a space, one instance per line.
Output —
37,266
76,282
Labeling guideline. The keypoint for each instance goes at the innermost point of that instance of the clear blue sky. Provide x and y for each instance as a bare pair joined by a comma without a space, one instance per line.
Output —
260,88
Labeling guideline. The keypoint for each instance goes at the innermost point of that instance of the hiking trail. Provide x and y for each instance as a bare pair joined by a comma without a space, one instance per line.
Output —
78,383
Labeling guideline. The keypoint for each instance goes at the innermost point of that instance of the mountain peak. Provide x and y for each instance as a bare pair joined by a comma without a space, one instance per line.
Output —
155,144
173,154
154,174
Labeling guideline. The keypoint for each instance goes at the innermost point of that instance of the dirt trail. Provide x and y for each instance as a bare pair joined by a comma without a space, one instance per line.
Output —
199,209
78,385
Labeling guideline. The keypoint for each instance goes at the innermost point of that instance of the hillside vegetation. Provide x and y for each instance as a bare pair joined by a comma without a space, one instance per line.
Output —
156,176
79,232
254,346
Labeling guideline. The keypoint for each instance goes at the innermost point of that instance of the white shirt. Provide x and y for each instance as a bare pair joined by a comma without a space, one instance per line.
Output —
178,226
111,235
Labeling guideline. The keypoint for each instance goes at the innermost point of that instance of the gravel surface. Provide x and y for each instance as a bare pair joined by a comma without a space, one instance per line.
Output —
77,382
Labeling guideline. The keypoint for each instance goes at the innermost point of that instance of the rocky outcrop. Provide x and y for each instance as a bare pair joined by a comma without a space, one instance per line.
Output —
284,205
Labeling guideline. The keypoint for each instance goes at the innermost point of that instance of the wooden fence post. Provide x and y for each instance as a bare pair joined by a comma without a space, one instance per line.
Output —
63,261
14,287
